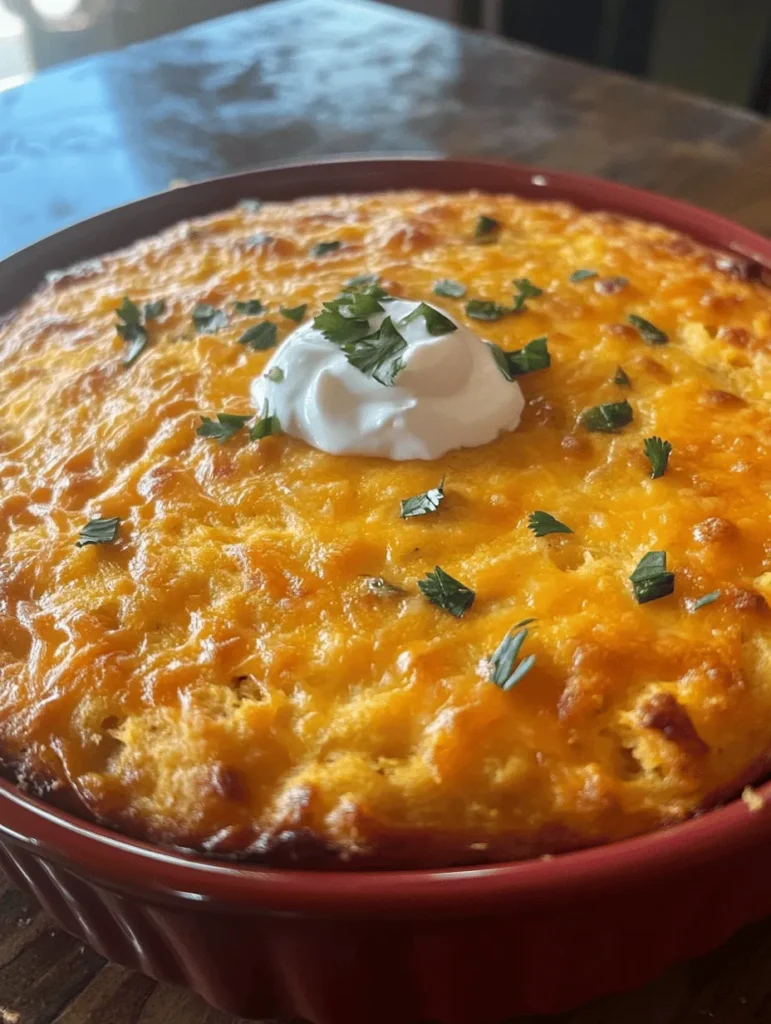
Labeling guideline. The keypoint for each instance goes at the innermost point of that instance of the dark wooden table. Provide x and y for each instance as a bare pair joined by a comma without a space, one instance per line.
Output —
306,78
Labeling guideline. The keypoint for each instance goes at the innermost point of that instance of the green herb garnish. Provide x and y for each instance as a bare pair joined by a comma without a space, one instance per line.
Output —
534,356
485,227
380,587
448,593
620,377
484,309
296,313
650,580
260,337
436,323
131,315
227,426
341,330
701,602
542,524
155,309
355,305
379,354
98,531
265,426
450,289
322,248
275,374
208,319
525,290
648,331
582,275
345,320
607,418
250,205
366,284
362,281
658,452
132,325
252,307
424,503
502,661
131,328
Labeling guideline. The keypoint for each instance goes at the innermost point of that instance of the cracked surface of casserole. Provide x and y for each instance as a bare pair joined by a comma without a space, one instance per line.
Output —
219,677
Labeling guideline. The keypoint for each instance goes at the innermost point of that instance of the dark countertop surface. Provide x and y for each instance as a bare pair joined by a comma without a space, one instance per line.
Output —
303,78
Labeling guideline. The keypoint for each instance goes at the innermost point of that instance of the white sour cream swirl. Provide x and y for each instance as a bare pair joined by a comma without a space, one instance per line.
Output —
450,394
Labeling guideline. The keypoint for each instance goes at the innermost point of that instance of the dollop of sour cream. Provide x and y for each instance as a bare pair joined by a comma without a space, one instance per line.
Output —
450,393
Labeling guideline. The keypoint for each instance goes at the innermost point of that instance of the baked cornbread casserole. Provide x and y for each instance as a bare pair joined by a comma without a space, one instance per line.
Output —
216,635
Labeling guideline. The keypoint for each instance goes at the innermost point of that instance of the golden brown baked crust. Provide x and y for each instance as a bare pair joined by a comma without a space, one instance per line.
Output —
219,678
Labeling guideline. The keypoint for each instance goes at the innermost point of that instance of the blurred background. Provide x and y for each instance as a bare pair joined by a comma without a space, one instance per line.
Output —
719,48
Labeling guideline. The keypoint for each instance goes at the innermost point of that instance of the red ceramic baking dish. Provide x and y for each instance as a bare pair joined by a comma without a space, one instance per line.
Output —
455,946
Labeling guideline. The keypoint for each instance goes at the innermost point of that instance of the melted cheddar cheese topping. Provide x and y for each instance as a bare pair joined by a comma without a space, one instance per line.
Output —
221,676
